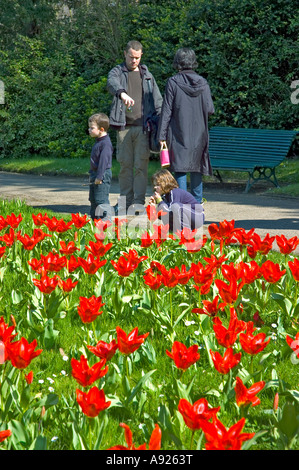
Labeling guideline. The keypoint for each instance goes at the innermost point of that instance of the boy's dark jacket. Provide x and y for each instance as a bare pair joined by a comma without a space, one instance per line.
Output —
101,156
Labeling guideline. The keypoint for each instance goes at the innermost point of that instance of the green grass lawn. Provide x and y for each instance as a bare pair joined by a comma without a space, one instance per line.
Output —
59,166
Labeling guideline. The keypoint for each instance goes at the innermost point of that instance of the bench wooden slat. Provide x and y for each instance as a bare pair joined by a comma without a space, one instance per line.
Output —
248,151
251,150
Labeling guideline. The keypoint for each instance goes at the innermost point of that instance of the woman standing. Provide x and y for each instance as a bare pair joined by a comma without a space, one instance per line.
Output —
183,124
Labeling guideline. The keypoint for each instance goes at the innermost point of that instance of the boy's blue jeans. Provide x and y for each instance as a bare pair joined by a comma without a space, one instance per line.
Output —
99,196
195,184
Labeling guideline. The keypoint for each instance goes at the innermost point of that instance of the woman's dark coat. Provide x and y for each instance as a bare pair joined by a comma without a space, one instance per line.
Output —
183,124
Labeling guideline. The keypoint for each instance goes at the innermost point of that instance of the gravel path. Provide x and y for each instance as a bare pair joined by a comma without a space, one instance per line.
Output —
273,215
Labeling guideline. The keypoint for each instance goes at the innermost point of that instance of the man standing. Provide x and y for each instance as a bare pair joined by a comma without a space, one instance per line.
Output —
136,100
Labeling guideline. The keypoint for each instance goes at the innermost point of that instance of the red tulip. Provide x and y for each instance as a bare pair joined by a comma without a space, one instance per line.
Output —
4,435
79,220
39,219
153,214
102,227
36,265
244,237
9,238
219,438
230,270
184,275
170,278
250,272
3,223
227,336
156,267
68,285
228,292
257,320
293,343
6,331
154,282
13,220
253,344
68,249
59,226
28,242
244,272
271,271
224,232
294,267
86,375
154,442
6,337
127,344
182,356
211,308
186,235
21,352
160,234
265,245
223,364
127,263
104,350
286,246
193,415
46,284
2,251
146,240
73,264
118,223
88,309
29,378
91,265
215,262
276,401
52,262
92,402
203,276
98,248
247,396
257,245
196,245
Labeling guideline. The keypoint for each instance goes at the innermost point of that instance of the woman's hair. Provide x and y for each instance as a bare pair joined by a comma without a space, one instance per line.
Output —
165,180
101,120
185,58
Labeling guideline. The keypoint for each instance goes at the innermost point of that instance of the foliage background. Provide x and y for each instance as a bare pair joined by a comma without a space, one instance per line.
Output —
55,57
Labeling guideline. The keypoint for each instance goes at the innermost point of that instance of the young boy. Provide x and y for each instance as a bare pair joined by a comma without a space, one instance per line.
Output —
100,167
181,208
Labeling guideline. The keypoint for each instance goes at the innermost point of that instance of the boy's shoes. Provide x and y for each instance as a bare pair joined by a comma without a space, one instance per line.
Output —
115,208
118,210
136,209
140,211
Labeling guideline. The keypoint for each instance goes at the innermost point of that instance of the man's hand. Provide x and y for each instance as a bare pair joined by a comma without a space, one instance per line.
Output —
96,181
128,101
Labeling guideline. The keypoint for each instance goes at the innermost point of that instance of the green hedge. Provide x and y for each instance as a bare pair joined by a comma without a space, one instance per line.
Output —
54,68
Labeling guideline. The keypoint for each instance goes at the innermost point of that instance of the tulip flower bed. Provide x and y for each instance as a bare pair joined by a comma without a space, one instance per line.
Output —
141,339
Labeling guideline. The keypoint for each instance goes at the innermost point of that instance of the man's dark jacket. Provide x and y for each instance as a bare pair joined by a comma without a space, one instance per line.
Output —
118,82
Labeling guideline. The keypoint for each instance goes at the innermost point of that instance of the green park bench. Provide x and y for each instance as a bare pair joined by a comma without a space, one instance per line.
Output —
256,151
